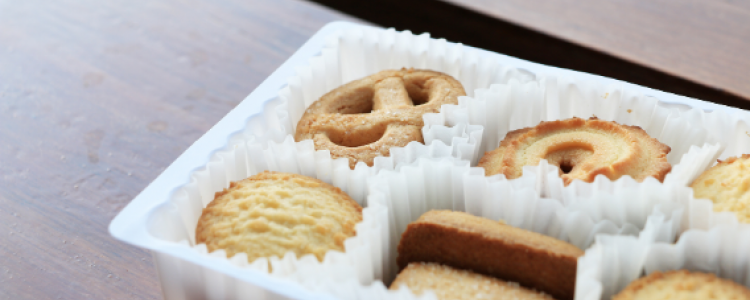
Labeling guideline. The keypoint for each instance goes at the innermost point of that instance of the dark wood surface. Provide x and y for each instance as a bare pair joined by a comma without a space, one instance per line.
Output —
703,41
96,99
711,68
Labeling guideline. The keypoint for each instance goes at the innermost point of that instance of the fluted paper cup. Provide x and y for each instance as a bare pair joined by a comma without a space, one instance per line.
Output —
515,105
732,130
361,52
615,261
627,201
448,183
361,259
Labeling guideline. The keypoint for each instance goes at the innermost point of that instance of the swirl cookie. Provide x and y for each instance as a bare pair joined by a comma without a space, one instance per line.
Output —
363,119
581,149
270,214
727,184
683,285
453,284
464,241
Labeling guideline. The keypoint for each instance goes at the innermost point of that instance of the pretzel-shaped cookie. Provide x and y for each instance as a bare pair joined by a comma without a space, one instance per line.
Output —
363,119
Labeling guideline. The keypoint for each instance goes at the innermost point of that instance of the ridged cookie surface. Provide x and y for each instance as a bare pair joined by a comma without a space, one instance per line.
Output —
727,184
683,285
453,284
363,119
270,214
464,241
581,149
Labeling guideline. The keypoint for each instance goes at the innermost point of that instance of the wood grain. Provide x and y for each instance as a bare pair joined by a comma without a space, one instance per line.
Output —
477,28
702,41
96,99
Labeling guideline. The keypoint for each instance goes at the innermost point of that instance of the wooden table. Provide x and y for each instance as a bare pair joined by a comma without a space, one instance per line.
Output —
703,41
96,99
695,48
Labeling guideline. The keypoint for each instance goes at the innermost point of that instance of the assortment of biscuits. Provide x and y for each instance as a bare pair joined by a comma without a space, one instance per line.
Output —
454,254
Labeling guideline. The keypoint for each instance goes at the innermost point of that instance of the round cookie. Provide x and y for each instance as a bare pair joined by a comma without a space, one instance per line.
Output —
682,284
581,149
455,284
727,184
270,214
363,119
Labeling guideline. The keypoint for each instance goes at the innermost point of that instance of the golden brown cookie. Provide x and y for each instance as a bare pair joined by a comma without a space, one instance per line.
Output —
727,184
453,284
463,241
581,149
363,119
683,285
270,214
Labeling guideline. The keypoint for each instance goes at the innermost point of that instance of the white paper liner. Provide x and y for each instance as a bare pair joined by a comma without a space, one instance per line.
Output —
447,183
693,164
625,200
361,259
615,261
515,105
361,52
731,130
366,256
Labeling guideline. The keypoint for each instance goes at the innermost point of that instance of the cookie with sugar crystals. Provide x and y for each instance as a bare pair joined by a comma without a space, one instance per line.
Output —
270,214
682,284
454,284
727,185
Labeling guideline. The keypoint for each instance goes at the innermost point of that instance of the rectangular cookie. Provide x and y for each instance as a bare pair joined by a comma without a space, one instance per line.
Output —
464,241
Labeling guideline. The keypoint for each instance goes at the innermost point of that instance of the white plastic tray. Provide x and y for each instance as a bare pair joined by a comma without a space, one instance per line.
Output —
132,223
